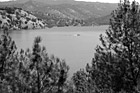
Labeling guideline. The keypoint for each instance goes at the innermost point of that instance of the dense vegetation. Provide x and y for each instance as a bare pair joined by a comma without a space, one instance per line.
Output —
116,64
30,71
17,19
115,67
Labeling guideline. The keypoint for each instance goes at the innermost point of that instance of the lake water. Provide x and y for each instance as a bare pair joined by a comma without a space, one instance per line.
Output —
63,43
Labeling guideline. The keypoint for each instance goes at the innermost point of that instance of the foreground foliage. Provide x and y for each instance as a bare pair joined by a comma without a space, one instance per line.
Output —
115,67
31,71
116,64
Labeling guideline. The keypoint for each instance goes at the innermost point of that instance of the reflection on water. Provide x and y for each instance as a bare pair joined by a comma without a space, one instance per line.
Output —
63,43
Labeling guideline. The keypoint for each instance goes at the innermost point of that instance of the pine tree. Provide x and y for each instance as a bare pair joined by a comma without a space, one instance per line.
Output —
82,82
116,64
40,73
7,57
30,71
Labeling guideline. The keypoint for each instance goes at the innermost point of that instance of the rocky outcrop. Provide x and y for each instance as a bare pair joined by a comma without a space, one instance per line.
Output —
17,19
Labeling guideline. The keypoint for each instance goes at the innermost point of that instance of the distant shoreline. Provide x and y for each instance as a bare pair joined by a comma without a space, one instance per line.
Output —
57,27
66,29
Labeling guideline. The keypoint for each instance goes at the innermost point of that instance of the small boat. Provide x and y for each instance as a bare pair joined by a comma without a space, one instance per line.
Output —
76,34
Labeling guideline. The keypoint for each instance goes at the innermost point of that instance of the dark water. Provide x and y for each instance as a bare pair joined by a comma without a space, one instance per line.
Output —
64,43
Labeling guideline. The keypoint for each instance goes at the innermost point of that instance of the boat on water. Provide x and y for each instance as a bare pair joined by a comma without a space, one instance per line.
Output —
76,34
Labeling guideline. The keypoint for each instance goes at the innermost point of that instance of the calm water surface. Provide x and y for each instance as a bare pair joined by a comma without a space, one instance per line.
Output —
62,42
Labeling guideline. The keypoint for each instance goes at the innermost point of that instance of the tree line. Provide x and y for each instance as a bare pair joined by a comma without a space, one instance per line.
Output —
115,67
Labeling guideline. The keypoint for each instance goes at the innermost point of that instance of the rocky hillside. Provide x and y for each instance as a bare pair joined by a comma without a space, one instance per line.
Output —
64,12
16,19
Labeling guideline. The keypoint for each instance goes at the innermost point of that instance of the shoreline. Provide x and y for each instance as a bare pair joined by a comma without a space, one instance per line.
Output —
55,27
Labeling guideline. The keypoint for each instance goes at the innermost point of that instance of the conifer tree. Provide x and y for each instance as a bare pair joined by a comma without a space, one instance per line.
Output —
82,82
30,71
41,73
116,64
7,52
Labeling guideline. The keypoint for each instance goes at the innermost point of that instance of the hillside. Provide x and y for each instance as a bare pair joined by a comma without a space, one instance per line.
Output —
104,20
65,12
16,19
